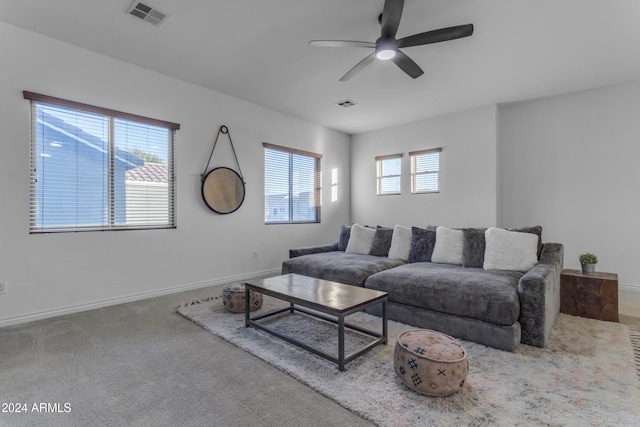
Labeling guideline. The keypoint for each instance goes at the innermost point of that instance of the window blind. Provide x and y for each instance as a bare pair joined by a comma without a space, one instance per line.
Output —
91,171
425,171
291,185
389,174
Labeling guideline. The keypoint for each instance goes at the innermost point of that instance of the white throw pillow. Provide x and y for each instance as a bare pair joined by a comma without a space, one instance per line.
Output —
449,244
361,239
400,243
510,250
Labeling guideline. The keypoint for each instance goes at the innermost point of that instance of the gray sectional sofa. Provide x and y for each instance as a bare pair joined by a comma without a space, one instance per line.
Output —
493,286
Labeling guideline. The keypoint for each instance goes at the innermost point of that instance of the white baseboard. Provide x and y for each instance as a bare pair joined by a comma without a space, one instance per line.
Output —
628,287
130,298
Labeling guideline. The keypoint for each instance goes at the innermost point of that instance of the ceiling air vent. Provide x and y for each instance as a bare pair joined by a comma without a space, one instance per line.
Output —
147,13
346,103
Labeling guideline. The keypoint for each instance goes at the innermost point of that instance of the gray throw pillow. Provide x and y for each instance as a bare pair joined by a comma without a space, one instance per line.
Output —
343,239
381,242
422,243
473,247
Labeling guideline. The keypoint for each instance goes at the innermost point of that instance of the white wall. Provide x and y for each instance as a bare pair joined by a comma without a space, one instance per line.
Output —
55,273
571,164
468,172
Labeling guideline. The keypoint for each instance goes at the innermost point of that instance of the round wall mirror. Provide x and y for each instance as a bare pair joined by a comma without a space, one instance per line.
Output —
223,190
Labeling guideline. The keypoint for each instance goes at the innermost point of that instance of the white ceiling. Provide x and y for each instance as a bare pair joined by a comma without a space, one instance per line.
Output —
258,50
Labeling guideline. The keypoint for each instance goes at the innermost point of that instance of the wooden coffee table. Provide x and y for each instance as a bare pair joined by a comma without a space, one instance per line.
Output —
332,298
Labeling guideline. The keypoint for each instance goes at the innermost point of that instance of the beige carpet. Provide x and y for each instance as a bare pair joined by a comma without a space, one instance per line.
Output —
141,364
580,379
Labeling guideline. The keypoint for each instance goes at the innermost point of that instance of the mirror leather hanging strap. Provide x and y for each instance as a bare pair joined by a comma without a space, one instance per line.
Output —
223,189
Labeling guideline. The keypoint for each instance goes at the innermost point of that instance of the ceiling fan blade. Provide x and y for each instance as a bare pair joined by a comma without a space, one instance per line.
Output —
341,43
437,36
407,65
359,66
391,15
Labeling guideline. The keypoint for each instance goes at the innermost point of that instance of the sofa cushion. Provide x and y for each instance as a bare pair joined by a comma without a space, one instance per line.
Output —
490,296
400,243
343,267
503,337
448,248
473,247
423,240
361,239
474,244
534,229
381,241
343,239
510,250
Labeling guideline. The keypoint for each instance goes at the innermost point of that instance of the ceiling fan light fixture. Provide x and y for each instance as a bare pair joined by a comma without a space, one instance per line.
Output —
385,54
385,49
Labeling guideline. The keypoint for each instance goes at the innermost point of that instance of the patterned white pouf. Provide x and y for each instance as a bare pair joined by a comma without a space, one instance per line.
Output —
430,362
233,298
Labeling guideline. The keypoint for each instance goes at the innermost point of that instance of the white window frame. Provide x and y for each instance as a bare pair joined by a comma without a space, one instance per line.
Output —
381,178
111,223
433,155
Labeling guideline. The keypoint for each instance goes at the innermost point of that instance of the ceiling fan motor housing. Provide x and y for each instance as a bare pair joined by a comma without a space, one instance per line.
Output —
386,48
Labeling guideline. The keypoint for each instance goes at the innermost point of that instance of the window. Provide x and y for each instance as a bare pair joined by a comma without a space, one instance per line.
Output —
389,171
425,171
98,169
334,184
291,185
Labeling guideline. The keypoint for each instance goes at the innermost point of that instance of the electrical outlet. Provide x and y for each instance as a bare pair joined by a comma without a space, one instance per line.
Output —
3,287
255,255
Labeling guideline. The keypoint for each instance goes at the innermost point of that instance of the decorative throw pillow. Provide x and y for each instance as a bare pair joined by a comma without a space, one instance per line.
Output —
473,247
400,243
381,241
510,250
422,243
534,229
448,248
361,239
343,239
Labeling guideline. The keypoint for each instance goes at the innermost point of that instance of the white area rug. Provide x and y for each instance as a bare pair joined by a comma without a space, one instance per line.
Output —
585,376
635,343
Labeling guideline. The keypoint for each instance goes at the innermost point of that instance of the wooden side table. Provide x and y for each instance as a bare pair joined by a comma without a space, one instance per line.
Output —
589,295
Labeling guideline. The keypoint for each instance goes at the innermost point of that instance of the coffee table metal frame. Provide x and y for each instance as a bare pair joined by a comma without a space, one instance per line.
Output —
338,319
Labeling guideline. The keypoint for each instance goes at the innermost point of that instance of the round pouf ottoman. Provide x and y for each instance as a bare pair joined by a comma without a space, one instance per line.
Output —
430,362
233,298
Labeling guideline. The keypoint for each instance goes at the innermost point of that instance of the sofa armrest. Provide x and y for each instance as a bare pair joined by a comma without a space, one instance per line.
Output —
539,291
330,247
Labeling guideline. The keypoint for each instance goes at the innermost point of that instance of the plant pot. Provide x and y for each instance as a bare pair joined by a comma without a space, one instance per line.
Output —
588,268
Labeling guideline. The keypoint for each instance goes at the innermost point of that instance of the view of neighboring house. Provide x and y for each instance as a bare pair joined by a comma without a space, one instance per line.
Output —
72,188
147,190
278,206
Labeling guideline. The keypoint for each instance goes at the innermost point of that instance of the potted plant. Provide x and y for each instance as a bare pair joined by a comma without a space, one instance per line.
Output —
588,262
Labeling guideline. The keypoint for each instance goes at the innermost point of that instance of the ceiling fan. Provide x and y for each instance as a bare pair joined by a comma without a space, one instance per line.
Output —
388,47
